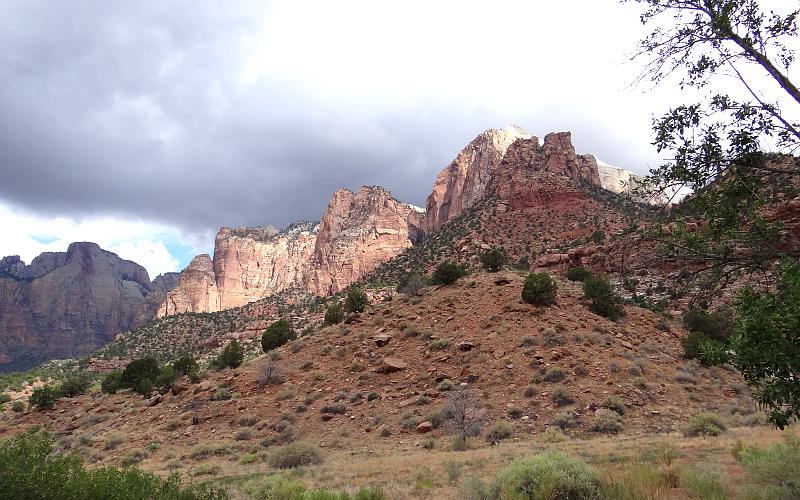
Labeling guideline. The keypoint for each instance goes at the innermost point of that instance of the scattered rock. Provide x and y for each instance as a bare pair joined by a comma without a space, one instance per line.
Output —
424,427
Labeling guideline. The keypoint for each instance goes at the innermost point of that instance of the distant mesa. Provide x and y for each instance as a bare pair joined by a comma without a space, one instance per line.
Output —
66,304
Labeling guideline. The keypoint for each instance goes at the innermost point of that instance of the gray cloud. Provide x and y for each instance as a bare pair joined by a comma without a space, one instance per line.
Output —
136,108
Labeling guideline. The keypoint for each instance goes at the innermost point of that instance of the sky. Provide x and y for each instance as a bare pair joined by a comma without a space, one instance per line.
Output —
145,126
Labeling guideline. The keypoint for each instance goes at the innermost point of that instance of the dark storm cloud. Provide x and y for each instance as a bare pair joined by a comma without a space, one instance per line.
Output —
135,108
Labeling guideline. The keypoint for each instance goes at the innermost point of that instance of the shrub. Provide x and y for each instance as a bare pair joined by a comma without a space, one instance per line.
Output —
448,273
550,475
603,300
4,398
578,273
438,345
473,488
334,314
553,374
607,421
356,300
539,289
18,406
74,384
493,260
296,454
499,431
598,236
278,334
111,382
561,397
221,394
232,356
139,375
185,365
30,469
614,403
445,385
248,420
270,374
413,285
44,397
704,424
334,409
530,391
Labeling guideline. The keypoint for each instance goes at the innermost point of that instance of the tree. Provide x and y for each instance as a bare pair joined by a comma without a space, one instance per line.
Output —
731,150
448,273
465,412
334,314
765,345
726,145
111,382
493,260
44,397
232,356
356,300
539,289
603,299
139,375
185,365
277,334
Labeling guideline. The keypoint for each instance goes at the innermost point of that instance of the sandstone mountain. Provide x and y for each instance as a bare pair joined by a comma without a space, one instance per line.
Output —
360,231
357,232
66,304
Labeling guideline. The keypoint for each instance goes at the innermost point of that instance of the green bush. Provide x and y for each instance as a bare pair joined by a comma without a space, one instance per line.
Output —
598,236
603,299
18,406
4,398
139,375
232,356
549,475
355,301
111,382
296,454
578,273
709,333
74,384
448,273
30,470
278,334
705,424
539,289
334,314
493,260
499,431
44,397
165,379
607,421
185,365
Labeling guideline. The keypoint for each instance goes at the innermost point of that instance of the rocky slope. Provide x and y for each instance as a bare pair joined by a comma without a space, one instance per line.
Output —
66,304
357,232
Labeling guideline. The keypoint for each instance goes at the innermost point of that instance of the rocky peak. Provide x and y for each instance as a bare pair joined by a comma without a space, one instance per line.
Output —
358,232
462,183
69,303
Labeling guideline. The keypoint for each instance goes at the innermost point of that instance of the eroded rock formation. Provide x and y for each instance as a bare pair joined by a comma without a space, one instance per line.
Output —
463,182
357,232
66,304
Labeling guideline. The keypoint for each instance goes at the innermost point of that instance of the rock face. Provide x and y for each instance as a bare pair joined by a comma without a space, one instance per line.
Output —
462,183
474,172
531,175
357,232
66,304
